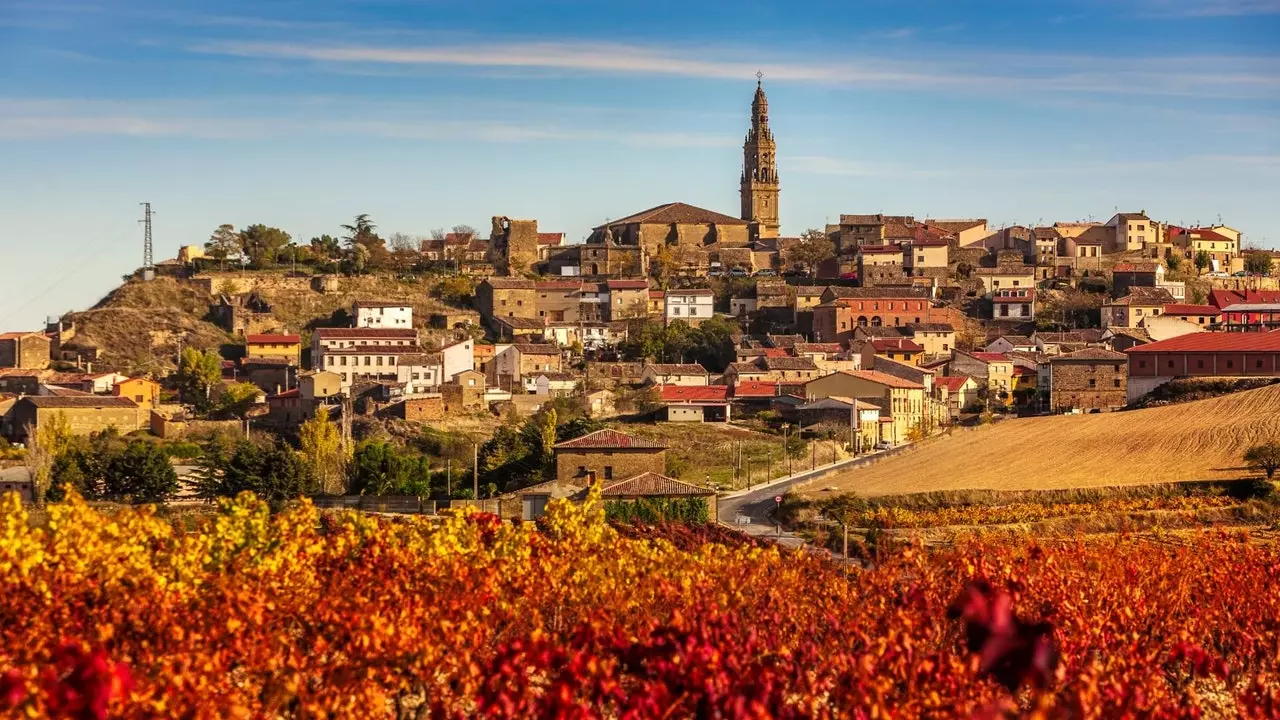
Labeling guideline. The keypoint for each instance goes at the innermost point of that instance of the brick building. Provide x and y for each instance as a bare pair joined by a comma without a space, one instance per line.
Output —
28,350
1089,379
1208,354
835,320
608,455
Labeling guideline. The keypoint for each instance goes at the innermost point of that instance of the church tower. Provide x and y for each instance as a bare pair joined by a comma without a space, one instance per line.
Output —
759,184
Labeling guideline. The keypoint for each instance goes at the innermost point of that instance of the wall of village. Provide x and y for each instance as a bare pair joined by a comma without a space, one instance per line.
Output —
1070,386
573,465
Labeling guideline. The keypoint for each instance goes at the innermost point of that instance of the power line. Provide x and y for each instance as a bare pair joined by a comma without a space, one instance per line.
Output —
147,263
86,259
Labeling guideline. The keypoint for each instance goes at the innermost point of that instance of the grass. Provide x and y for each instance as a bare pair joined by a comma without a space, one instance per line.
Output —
1197,441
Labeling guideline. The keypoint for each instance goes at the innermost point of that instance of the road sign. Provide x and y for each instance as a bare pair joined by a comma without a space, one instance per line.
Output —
777,499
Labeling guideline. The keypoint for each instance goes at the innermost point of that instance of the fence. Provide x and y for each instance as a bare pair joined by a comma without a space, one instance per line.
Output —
401,504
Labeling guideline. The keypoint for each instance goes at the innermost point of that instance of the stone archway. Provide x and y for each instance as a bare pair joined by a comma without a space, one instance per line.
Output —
862,321
875,321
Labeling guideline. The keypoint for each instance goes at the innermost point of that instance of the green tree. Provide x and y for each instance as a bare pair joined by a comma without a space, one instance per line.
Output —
44,444
844,510
326,247
1202,260
238,400
814,247
1264,457
140,474
379,468
222,243
455,289
230,467
1257,263
322,447
262,244
1173,261
198,372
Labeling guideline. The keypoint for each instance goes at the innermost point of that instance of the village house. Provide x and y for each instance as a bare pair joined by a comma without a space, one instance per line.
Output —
607,455
1014,304
674,374
144,392
519,365
1206,315
420,373
84,414
94,383
835,320
1054,343
1133,231
900,348
362,354
902,403
464,392
1126,275
1221,249
558,300
456,357
967,231
880,264
993,369
807,298
1132,309
507,298
937,339
961,391
747,371
380,314
859,420
691,305
818,352
689,403
554,384
657,303
1089,379
627,300
926,258
284,346
26,350
1008,277
1009,343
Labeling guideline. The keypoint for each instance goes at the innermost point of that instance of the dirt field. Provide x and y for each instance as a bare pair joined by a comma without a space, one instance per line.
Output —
1202,440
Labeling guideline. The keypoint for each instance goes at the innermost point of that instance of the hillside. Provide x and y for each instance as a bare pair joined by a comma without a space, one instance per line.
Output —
137,325
1202,440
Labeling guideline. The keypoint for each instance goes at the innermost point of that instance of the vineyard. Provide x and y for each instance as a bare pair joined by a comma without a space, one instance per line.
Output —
300,614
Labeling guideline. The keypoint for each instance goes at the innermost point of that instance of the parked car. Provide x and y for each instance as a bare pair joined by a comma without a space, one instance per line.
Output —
738,272
766,273
849,276
883,446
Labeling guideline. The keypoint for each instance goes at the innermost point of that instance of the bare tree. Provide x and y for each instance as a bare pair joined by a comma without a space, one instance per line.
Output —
404,241
43,445
466,232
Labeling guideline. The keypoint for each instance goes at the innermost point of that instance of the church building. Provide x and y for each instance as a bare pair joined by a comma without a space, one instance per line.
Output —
759,185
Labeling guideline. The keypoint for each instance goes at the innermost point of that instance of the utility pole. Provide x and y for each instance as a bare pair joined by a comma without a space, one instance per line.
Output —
148,266
475,471
813,455
786,446
448,477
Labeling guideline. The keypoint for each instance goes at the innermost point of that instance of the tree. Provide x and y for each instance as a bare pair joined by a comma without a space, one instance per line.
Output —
1202,260
1257,263
262,244
322,447
198,372
1173,261
379,468
326,246
238,400
44,444
361,231
222,243
1264,457
844,510
275,474
140,474
814,247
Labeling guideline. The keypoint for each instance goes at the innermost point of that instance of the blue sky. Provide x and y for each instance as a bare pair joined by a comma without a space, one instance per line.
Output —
429,113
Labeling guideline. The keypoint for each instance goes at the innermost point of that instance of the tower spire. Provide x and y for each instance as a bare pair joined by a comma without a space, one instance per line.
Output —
759,184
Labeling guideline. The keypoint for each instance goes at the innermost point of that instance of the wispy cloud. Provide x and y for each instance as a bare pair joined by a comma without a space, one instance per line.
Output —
1199,76
26,119
824,165
1210,8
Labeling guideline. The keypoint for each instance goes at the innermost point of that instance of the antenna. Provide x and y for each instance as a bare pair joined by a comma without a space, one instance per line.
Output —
148,267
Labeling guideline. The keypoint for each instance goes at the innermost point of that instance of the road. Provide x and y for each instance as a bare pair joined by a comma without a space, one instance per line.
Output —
756,506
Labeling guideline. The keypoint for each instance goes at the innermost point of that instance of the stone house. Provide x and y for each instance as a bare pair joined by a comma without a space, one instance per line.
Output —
995,369
519,362
902,349
424,408
962,392
27,350
674,224
84,414
19,381
656,485
465,391
558,300
674,374
1089,379
608,455
628,299
746,371
903,404
658,303
1128,275
807,298
506,297
835,320
1132,309
879,265
926,258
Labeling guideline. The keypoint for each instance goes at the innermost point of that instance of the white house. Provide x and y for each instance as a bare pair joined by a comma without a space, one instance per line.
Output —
421,373
691,305
1014,304
457,357
377,314
553,384
362,353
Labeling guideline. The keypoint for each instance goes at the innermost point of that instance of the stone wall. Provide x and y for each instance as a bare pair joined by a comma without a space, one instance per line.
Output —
1070,386
421,409
574,465
28,351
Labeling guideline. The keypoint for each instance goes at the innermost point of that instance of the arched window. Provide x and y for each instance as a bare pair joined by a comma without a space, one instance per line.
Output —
862,320
875,321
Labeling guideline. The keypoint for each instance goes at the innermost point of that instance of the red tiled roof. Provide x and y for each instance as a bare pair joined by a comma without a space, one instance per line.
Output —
1186,309
774,352
652,484
880,250
16,335
627,284
550,238
677,369
885,379
898,343
695,393
656,294
1126,267
607,439
1215,342
754,389
1207,234
952,382
558,285
92,401
817,348
990,357
671,213
258,339
284,395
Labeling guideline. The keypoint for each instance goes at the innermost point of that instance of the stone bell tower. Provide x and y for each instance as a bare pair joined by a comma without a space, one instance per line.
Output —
759,185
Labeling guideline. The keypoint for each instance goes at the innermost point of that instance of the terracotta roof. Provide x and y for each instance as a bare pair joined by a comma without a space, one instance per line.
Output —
284,395
1060,337
884,331
880,250
521,323
366,333
956,226
609,439
817,348
273,338
369,350
952,382
1187,309
755,388
784,341
676,212
930,327
900,343
929,243
558,285
92,401
16,335
657,294
990,357
510,283
1144,296
269,361
382,303
1013,295
748,368
650,483
885,379
862,219
627,284
677,368
858,293
59,391
1128,267
1015,339
535,349
1206,234
809,290
420,359
1215,342
695,393
546,238
691,291
1089,354
1006,270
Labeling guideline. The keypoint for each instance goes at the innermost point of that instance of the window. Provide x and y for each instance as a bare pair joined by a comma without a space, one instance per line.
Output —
1115,382
1257,364
138,398
1200,364
366,360
1026,310
343,359
1015,283
1230,364
1004,310
471,381
379,362
608,472
944,347
519,303
1093,382
504,303
1142,363
582,470
1170,363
